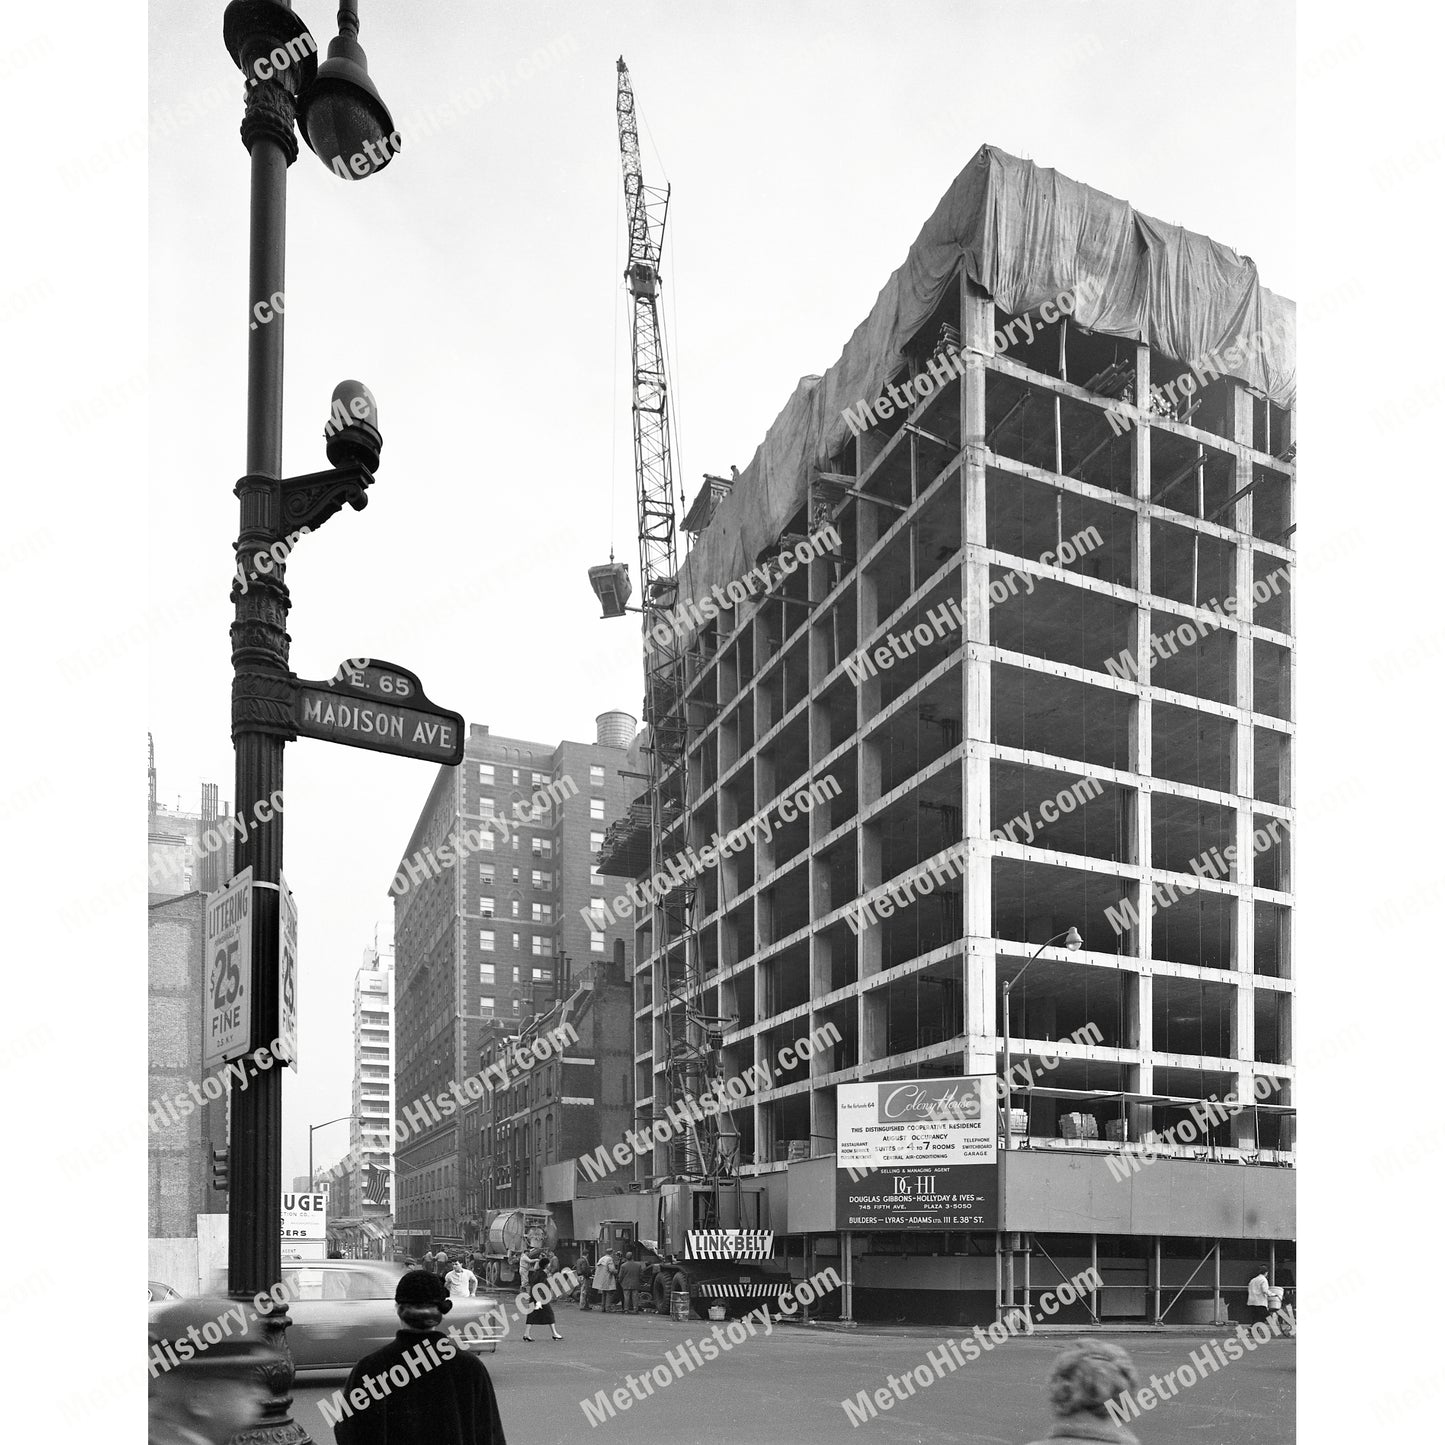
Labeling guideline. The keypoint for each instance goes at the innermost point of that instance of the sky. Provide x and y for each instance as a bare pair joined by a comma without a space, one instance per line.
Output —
475,286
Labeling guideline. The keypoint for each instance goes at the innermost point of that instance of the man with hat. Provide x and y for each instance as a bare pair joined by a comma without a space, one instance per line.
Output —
421,1389
206,1371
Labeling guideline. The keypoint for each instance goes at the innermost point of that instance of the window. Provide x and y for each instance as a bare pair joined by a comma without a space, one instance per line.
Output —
488,974
486,808
542,974
541,913
595,877
486,775
486,940
517,942
599,776
541,946
596,842
516,1005
599,809
541,879
488,842
541,847
486,906
516,908
485,874
599,943
487,1006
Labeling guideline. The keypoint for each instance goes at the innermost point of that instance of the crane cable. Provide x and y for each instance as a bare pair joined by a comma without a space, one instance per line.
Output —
617,305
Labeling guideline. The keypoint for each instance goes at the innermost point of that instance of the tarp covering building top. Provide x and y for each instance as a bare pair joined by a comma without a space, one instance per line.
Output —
1026,234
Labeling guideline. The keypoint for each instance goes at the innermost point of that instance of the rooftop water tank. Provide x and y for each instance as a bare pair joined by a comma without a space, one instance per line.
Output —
615,729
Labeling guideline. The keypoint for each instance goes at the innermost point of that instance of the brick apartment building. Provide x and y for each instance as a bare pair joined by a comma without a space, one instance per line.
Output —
490,938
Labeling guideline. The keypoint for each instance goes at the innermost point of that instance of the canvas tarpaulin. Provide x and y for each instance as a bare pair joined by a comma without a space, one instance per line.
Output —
1027,235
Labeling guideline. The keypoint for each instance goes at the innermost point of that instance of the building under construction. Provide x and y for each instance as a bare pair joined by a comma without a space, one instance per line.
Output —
1047,669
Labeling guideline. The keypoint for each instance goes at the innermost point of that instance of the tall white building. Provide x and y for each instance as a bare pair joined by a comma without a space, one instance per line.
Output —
373,1075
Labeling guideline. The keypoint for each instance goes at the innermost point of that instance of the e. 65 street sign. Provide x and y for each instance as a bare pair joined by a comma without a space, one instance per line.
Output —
380,706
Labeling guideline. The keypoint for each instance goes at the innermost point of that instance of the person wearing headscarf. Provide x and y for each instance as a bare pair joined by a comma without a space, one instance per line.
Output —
1088,1375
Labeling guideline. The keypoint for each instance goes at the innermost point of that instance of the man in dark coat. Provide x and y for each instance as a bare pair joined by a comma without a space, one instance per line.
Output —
422,1389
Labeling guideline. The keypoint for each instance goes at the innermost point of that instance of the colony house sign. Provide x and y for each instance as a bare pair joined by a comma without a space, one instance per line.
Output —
380,706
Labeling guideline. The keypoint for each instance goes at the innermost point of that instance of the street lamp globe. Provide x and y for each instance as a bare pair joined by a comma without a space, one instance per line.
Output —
1073,940
343,116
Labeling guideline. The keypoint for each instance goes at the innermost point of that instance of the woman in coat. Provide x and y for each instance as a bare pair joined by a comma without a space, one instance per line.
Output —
1085,1378
536,1267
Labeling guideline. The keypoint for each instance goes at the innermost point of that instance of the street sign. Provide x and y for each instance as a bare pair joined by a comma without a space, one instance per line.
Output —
380,706
286,1028
918,1154
303,1226
228,973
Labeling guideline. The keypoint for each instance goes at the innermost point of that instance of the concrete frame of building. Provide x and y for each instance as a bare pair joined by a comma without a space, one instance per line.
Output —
941,750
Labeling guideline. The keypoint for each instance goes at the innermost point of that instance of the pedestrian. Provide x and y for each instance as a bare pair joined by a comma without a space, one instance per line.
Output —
1084,1379
429,1262
212,1391
447,1397
536,1266
584,1273
605,1278
441,1261
461,1282
1257,1304
629,1281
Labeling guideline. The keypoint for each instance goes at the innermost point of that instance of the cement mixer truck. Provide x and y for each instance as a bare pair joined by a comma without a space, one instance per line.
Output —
509,1232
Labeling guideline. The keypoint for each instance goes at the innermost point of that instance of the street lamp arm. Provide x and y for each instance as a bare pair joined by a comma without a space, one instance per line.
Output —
311,1143
1045,944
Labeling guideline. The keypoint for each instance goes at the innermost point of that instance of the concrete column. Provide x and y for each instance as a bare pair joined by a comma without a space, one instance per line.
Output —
980,979
1241,430
1141,736
1141,1037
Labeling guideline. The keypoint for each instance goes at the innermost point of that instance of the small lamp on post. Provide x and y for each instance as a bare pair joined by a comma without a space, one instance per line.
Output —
1073,941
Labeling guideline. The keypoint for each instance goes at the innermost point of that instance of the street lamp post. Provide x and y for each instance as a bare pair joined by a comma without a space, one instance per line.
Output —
1072,941
311,1144
277,55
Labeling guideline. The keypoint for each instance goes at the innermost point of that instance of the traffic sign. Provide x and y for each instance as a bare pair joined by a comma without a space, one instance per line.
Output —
228,972
286,1028
380,706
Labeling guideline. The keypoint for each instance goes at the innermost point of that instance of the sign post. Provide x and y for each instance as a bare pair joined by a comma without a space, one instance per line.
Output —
228,973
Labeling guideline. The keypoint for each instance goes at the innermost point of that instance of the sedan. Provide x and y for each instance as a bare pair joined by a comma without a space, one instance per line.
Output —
342,1309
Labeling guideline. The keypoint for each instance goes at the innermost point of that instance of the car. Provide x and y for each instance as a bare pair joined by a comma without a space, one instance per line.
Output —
156,1291
342,1309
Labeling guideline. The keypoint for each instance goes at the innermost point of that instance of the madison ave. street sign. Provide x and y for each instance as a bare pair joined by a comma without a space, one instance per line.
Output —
372,704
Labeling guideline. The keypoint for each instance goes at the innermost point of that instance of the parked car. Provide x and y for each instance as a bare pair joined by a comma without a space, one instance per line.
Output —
342,1309
156,1291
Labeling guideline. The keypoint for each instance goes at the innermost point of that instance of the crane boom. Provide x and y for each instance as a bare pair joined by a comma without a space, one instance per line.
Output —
686,1030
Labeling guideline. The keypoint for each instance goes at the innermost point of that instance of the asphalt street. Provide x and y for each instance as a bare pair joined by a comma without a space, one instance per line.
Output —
787,1388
